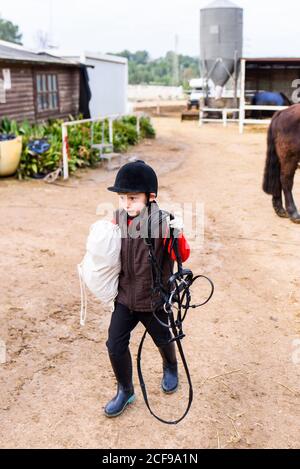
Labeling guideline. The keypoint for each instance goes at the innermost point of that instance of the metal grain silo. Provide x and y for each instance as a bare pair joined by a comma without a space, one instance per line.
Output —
221,36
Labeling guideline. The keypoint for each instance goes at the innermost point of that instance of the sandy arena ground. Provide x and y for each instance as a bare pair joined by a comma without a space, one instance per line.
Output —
242,348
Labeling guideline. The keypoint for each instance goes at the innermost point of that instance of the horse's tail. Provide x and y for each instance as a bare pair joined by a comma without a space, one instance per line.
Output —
271,183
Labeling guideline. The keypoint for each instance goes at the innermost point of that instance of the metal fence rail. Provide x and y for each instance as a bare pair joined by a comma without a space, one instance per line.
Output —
110,118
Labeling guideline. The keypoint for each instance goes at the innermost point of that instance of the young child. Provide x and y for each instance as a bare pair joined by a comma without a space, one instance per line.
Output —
137,187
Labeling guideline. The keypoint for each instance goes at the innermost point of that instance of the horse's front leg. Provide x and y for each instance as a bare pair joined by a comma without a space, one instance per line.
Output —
287,181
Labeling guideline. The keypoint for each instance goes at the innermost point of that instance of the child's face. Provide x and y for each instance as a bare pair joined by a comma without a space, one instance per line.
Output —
134,203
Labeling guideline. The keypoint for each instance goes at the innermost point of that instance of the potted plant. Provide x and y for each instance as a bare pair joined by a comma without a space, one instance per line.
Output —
10,154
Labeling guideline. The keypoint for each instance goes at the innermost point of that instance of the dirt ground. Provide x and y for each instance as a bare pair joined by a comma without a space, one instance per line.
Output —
241,348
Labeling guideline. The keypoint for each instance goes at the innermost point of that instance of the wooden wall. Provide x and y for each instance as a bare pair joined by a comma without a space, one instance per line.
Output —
20,100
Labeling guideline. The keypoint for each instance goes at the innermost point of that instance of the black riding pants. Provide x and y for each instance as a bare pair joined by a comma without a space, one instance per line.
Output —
123,322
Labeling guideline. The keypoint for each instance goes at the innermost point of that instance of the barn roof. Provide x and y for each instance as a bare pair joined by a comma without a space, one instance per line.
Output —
272,59
83,56
10,52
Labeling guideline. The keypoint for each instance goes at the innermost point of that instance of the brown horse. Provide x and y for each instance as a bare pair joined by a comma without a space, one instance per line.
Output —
283,157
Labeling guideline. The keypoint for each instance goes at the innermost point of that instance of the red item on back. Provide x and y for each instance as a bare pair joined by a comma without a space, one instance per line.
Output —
183,246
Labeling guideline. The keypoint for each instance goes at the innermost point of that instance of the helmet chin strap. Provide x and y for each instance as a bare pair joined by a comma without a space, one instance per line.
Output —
148,199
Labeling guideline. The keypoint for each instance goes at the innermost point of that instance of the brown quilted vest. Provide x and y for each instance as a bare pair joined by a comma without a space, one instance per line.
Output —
135,281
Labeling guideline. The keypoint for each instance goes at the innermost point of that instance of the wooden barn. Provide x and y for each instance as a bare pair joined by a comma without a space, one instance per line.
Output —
37,87
281,75
271,74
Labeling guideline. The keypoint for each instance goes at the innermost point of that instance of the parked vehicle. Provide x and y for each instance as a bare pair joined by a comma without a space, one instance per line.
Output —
198,90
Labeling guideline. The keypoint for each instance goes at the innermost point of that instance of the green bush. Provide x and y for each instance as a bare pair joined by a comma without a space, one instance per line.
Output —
147,130
80,152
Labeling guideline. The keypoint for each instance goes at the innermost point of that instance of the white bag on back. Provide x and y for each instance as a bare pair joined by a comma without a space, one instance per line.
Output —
99,271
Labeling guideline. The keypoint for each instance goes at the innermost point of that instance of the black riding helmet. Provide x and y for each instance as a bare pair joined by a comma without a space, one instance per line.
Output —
136,177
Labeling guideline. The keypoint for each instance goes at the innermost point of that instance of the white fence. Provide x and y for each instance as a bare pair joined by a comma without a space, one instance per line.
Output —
224,119
243,120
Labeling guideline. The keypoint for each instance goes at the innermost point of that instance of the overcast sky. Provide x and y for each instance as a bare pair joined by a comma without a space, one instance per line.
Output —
271,28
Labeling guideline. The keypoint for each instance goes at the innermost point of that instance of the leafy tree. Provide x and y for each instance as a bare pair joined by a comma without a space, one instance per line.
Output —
143,70
141,57
9,32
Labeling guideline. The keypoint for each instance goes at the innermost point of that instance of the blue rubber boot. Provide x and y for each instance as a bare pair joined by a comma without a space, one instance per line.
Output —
122,367
170,381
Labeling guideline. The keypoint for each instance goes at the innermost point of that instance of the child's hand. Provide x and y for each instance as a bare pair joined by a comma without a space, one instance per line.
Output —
177,223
